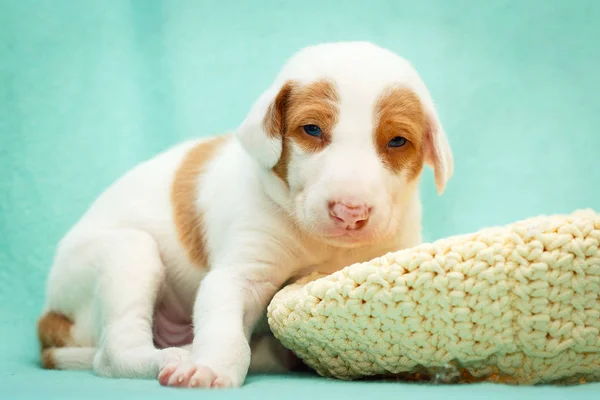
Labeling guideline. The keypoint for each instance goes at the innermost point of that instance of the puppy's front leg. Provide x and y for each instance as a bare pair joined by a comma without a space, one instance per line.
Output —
228,305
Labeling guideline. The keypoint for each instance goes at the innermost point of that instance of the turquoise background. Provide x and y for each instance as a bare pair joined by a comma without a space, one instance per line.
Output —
90,88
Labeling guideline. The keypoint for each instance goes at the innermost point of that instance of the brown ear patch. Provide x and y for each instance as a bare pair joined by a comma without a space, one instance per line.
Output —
188,219
275,117
298,105
399,112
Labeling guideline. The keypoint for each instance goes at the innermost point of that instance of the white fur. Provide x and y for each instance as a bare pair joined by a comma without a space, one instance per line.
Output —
124,254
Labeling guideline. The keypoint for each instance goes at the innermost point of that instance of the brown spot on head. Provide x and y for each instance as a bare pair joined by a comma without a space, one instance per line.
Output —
399,113
54,330
187,216
296,106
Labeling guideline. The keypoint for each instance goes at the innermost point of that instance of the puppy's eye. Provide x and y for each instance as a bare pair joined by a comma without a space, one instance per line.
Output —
312,130
397,141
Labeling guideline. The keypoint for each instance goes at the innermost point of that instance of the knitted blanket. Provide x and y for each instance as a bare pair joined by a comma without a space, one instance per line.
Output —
518,304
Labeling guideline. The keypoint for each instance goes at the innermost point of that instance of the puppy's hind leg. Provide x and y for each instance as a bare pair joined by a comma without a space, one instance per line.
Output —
130,274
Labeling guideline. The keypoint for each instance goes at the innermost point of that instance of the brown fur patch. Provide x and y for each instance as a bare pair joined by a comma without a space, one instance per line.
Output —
188,219
48,359
274,124
54,330
299,105
399,113
275,117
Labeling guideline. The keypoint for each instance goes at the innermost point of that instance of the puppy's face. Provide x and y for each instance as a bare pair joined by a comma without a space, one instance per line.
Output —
346,129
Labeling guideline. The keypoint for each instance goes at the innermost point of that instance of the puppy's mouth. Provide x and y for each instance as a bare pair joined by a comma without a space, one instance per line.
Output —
349,237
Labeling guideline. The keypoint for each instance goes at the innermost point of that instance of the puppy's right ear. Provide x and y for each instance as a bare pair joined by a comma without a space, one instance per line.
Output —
261,132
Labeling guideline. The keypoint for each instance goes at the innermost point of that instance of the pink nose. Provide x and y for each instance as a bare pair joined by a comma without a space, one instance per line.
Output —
349,215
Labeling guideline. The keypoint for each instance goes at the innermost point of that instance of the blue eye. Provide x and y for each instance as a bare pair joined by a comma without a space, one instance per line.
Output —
312,130
397,141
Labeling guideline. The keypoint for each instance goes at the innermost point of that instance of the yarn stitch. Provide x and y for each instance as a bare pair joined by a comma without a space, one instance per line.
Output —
519,302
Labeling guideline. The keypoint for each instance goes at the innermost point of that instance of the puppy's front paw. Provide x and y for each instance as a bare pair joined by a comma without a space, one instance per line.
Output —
192,375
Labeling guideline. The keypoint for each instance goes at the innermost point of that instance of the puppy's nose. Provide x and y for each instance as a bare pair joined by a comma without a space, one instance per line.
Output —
349,214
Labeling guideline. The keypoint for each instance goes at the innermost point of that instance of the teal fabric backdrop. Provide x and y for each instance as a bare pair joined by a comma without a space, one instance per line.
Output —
90,88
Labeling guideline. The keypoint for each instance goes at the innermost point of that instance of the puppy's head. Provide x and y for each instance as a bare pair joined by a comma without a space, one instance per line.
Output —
346,128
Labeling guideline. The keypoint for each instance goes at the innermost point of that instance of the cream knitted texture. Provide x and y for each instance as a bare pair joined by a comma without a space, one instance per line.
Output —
520,301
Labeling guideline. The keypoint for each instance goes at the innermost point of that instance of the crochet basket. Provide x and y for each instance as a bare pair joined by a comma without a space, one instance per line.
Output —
517,304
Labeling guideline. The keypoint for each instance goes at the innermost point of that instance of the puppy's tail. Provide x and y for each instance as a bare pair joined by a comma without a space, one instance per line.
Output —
71,358
58,348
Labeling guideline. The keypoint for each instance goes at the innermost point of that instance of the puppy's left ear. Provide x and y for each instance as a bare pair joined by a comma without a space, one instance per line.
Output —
438,154
261,132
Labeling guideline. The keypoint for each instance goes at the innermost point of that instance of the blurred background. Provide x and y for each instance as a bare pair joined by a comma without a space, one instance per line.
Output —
90,88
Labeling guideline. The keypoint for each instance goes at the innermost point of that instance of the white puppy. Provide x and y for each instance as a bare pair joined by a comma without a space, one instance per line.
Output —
322,173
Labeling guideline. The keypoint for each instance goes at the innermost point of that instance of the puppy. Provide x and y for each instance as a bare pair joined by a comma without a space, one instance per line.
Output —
170,270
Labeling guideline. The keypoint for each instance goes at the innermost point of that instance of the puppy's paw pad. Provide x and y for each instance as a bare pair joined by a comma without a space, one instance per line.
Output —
186,374
165,374
176,374
222,382
203,377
